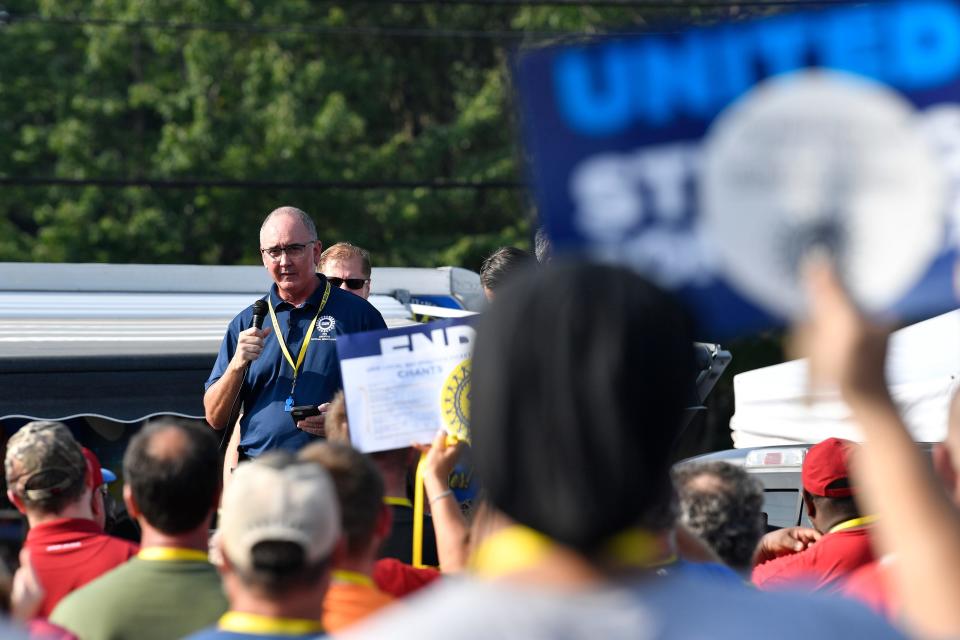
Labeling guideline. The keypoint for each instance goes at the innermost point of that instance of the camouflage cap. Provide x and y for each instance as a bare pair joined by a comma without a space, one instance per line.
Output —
43,460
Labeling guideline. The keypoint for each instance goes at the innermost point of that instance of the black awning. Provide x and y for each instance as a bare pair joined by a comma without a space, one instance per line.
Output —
124,388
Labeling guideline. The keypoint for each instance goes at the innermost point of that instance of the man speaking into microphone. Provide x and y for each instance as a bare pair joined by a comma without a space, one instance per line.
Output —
291,363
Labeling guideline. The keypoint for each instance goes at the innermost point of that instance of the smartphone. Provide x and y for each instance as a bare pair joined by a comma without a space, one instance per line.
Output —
304,411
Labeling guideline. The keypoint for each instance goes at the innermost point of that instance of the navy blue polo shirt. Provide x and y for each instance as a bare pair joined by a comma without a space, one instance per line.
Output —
265,425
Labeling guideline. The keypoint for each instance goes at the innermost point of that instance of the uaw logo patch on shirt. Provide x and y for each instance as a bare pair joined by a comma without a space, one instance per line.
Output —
325,328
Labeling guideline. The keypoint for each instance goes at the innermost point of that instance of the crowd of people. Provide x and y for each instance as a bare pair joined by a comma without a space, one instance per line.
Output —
582,529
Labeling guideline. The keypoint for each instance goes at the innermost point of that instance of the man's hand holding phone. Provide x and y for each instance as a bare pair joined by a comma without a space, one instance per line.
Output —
310,418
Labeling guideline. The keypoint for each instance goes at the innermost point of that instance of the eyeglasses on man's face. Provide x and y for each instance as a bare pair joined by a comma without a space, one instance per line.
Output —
352,283
293,251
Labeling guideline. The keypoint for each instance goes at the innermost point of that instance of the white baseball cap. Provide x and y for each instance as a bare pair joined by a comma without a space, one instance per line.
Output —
276,498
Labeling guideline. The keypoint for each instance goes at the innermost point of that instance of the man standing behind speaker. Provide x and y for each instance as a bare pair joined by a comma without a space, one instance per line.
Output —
347,266
292,361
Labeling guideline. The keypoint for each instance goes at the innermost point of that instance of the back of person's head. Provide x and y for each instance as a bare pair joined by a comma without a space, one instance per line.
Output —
723,505
392,464
172,469
503,265
825,477
580,376
345,251
279,524
45,467
359,490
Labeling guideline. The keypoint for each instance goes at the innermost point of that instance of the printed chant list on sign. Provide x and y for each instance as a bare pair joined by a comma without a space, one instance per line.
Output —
397,410
393,391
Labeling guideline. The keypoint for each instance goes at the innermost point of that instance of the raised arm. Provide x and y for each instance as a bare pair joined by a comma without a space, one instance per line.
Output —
917,521
449,525
219,397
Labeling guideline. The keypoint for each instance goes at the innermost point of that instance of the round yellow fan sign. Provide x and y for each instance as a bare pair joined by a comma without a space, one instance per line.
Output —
455,402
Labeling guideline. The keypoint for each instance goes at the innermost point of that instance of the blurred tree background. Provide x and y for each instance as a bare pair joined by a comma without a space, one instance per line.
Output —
296,92
162,131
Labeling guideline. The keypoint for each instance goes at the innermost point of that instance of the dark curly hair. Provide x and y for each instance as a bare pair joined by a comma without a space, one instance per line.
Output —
722,504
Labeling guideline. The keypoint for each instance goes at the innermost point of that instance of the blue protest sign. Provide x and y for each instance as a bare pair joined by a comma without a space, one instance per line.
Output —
714,160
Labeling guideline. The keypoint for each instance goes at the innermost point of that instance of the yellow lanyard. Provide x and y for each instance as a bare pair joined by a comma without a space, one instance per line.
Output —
306,338
639,548
850,524
397,502
254,624
418,500
168,554
352,577
508,550
418,513
518,548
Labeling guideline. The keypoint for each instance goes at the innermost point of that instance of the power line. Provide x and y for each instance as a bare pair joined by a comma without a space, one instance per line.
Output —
247,27
420,32
261,185
395,32
638,4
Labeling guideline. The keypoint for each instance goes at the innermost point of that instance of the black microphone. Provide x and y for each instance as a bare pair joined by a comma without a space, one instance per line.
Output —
259,312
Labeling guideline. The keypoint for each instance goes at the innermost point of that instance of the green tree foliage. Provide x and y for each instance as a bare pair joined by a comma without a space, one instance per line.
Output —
86,101
287,91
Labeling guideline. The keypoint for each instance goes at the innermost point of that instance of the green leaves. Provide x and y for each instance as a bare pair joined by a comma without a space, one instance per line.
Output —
291,91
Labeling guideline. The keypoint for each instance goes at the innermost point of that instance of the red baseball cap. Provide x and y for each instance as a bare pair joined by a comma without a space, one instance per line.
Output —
94,472
824,464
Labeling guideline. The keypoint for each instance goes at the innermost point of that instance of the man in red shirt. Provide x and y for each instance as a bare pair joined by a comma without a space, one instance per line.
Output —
50,481
819,559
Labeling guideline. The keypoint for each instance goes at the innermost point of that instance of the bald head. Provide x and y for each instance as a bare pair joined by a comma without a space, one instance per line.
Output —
167,442
172,470
290,251
290,212
706,483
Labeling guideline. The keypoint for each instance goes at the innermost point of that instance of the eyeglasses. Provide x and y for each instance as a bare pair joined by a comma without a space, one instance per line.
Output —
293,251
352,283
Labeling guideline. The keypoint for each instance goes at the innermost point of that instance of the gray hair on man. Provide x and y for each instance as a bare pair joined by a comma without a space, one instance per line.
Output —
722,504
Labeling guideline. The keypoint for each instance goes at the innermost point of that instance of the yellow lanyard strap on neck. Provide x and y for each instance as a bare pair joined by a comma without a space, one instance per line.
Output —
850,524
518,548
510,550
306,338
251,623
353,577
395,501
169,554
639,548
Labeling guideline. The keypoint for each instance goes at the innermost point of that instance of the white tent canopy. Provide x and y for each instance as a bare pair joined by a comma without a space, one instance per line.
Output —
773,406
